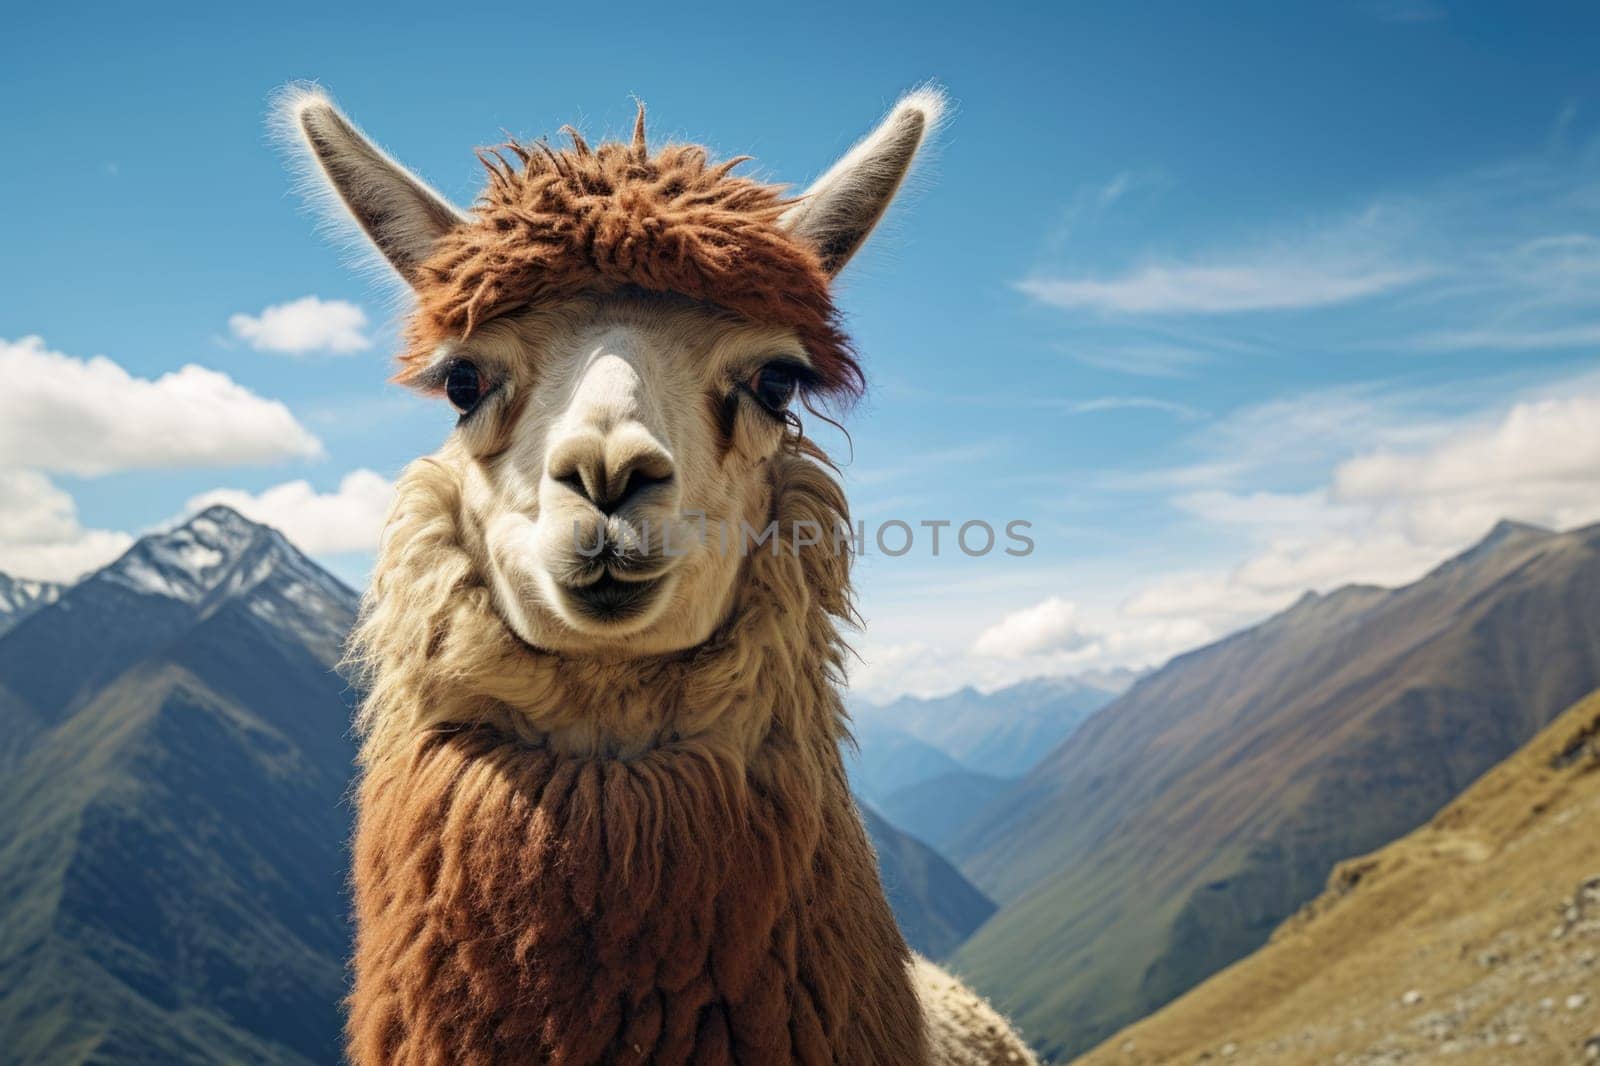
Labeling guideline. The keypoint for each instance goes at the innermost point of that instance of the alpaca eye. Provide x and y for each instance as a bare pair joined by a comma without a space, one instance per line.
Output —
463,386
774,386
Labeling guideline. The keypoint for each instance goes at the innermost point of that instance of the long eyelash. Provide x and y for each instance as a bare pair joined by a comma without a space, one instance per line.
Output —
433,379
805,376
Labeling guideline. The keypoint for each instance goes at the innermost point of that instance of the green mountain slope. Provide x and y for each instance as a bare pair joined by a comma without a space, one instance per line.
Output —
172,822
1173,831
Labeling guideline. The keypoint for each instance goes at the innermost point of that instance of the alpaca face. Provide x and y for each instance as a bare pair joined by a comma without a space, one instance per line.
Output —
612,453
616,432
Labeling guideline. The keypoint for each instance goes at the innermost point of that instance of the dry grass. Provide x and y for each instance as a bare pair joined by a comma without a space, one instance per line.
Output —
1467,941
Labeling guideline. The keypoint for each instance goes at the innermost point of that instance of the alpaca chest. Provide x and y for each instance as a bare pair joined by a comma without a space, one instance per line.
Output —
519,906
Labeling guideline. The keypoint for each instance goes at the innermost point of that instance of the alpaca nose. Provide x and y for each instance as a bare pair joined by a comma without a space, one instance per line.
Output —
614,469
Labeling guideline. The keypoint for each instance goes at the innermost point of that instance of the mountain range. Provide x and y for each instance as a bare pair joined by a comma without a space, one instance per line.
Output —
1169,834
175,760
931,765
1001,733
1474,937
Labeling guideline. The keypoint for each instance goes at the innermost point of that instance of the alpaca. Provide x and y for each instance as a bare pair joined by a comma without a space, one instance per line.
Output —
603,814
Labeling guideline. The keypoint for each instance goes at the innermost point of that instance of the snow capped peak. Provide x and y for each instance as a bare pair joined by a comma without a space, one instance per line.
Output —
188,561
20,596
218,554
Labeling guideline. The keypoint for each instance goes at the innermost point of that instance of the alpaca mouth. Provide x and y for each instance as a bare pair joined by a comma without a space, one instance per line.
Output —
611,599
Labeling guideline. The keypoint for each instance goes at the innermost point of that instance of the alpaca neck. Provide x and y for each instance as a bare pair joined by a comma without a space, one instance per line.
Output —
516,904
526,892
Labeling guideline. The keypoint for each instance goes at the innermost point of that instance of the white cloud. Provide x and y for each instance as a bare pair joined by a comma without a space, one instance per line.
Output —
1388,515
1267,284
1135,403
90,416
931,668
346,520
1293,264
309,324
40,536
1050,626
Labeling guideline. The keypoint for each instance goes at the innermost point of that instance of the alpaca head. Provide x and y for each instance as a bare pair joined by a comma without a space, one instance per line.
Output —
626,338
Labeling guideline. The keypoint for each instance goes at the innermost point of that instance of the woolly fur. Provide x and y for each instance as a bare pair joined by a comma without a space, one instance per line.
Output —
714,900
554,223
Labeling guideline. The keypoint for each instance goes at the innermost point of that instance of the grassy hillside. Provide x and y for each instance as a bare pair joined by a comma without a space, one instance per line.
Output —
1176,829
1476,937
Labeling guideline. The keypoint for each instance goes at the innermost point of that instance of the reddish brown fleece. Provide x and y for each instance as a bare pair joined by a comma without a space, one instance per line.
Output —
599,219
517,906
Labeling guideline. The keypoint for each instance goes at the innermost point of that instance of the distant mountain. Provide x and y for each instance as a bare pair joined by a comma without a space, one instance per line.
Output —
936,907
937,809
175,753
20,597
1172,832
1466,937
885,760
1001,733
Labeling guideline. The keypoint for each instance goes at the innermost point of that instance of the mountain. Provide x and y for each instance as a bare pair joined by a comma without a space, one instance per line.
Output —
885,760
1001,733
172,820
937,808
931,765
936,907
20,597
1475,936
1168,835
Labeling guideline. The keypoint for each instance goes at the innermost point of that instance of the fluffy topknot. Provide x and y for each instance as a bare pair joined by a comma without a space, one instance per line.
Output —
558,223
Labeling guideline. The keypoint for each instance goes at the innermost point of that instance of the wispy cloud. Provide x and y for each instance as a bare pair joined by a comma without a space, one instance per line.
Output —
1511,340
1141,360
937,459
1135,403
1268,284
1092,203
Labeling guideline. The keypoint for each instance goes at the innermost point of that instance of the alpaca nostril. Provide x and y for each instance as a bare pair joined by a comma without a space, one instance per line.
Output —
637,483
627,486
608,494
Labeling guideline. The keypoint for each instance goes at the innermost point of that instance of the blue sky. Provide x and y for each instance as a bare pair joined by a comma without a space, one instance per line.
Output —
1229,301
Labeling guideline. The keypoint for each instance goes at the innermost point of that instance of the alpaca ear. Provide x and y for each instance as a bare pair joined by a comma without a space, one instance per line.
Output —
838,212
398,212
